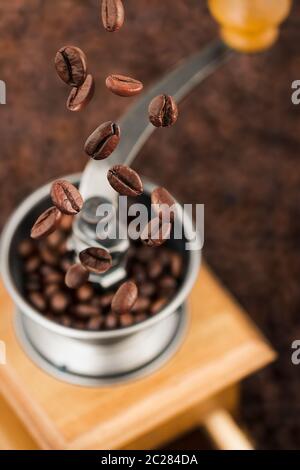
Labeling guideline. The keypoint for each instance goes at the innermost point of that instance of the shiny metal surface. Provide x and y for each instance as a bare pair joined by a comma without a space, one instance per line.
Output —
62,373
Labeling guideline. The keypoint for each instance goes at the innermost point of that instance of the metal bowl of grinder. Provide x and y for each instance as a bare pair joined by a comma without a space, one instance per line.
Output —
84,354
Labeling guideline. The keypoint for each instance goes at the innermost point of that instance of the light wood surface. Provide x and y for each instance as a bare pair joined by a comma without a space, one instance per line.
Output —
221,347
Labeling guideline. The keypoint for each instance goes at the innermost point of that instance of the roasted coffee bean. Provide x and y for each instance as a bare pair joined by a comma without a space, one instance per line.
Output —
138,273
123,86
158,305
154,269
126,319
70,64
38,301
176,265
95,323
50,289
59,302
110,321
112,12
163,203
33,286
48,256
76,276
65,264
26,248
141,305
103,141
156,232
66,197
84,293
32,264
81,96
86,311
144,254
147,289
167,285
96,260
124,298
66,223
163,111
55,239
106,299
125,181
46,223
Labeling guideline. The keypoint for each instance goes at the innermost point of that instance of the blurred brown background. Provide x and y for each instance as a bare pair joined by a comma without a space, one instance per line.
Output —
235,148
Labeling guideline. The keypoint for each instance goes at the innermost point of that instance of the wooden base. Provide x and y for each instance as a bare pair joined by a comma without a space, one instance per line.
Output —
221,347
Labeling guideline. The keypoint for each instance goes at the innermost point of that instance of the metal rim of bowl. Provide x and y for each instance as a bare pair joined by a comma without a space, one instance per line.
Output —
6,239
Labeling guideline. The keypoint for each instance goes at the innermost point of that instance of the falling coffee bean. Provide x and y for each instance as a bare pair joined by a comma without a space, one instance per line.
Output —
70,63
163,203
124,298
163,111
76,276
156,232
66,197
112,12
103,141
125,180
96,260
79,97
46,223
123,86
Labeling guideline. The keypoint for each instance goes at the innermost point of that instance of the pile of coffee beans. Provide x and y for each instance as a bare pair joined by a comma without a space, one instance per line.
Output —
151,283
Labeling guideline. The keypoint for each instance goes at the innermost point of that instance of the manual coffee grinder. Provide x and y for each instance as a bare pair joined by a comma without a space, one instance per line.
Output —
106,357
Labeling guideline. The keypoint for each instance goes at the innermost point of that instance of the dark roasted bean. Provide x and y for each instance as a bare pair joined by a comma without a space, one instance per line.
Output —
123,86
158,305
70,64
81,96
96,260
95,323
126,319
32,264
86,310
141,305
156,232
154,268
103,141
176,264
106,299
38,301
112,12
85,293
111,321
125,180
26,248
46,223
76,276
48,256
147,289
163,203
59,301
66,197
124,298
163,111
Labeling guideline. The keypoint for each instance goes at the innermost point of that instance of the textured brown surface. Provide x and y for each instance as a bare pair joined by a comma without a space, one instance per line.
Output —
235,148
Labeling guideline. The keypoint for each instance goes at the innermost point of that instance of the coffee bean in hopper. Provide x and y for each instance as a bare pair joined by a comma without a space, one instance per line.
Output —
76,276
123,86
96,260
125,298
163,111
66,197
71,65
46,223
125,180
112,12
80,96
103,141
